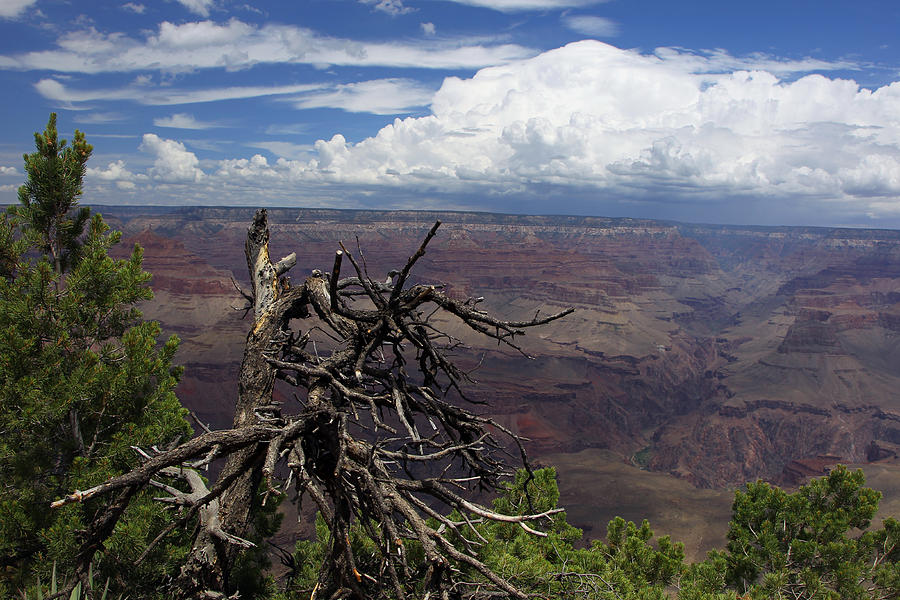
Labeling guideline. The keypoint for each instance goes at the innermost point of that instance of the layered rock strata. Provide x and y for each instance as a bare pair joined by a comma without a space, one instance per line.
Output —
716,354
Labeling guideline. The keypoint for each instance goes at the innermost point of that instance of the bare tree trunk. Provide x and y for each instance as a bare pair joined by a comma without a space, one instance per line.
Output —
211,558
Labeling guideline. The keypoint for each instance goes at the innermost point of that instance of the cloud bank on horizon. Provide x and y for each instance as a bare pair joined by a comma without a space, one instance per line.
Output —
209,102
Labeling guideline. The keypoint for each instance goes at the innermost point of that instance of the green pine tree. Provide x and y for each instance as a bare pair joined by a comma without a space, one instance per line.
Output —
814,544
629,565
48,202
82,379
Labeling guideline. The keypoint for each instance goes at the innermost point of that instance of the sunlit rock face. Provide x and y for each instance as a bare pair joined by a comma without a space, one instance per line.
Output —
716,354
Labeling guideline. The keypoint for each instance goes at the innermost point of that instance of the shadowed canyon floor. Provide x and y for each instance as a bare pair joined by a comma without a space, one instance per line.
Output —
699,356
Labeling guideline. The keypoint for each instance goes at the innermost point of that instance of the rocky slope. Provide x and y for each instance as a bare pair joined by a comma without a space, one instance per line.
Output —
715,354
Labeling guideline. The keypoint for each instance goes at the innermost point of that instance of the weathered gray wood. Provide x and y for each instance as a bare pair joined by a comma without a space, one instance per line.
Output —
272,301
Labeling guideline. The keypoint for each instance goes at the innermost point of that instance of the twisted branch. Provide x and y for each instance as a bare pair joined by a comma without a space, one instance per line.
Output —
383,367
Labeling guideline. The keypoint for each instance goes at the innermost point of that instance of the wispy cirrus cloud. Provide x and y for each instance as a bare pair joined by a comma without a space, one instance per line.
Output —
158,96
528,5
391,7
198,7
11,9
598,27
183,121
187,47
721,61
288,150
94,118
288,129
380,97
134,7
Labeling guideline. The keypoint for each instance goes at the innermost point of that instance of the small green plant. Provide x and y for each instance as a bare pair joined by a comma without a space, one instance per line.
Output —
642,457
79,592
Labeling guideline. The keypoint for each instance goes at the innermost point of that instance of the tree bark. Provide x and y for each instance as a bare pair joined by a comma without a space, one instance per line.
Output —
212,557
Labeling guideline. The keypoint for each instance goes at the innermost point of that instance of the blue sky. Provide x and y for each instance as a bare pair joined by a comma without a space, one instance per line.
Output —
753,113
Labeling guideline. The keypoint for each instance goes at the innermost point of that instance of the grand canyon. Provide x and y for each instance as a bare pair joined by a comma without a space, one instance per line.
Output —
699,357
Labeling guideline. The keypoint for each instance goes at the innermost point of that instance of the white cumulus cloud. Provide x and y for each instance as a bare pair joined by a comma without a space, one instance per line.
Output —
593,116
594,122
173,162
255,168
114,171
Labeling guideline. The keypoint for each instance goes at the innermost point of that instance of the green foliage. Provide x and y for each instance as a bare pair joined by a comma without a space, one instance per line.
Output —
309,556
82,379
249,574
48,200
81,590
629,565
527,561
642,457
706,580
812,544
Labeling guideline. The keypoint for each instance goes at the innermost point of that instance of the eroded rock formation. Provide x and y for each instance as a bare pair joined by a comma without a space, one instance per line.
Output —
720,354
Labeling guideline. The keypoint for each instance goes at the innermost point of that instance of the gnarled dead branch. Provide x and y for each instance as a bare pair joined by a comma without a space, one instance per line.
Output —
370,356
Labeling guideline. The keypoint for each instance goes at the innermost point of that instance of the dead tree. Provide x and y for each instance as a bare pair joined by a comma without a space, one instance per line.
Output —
382,437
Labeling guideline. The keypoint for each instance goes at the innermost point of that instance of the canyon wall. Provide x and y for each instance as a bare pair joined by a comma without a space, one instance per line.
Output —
714,354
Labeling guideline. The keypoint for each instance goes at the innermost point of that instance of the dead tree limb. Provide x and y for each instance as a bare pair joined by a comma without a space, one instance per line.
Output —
369,354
